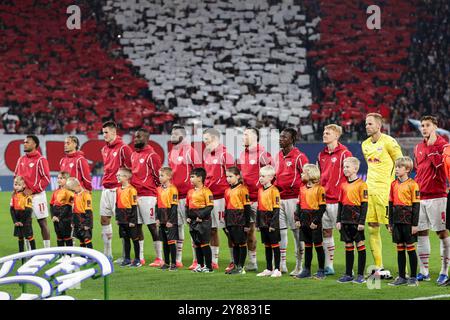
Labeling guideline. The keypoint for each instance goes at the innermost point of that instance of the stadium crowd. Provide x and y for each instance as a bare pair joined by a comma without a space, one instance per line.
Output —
412,79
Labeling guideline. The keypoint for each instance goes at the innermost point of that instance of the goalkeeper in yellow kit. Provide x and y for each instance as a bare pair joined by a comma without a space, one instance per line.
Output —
380,152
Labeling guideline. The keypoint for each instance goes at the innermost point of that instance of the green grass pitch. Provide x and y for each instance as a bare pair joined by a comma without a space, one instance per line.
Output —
150,283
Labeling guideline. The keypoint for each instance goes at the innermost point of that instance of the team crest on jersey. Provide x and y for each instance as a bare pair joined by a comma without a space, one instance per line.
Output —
289,163
215,161
379,149
31,165
252,162
71,165
180,158
114,154
141,160
334,159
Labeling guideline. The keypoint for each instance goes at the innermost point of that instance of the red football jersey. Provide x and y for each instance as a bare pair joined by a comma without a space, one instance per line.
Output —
430,172
446,160
34,169
77,166
115,156
215,164
250,161
331,166
182,159
145,167
288,173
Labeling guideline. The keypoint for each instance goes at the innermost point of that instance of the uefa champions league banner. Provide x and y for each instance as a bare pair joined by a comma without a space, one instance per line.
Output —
41,270
52,147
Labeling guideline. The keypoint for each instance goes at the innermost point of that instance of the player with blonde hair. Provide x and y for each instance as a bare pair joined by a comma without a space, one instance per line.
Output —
380,151
331,162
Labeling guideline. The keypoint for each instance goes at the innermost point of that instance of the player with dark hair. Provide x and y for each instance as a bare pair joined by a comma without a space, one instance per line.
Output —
116,154
75,163
199,204
289,167
250,161
430,175
34,170
182,159
237,218
145,163
216,160
61,211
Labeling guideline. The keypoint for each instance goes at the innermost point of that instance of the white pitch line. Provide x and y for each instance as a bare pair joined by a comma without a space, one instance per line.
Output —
433,297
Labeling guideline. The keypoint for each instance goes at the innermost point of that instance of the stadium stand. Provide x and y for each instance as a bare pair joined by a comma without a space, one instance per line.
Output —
222,62
426,84
57,80
400,71
357,69
265,63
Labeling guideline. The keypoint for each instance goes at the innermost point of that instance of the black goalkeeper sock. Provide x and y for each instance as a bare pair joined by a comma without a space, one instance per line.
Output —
277,257
412,261
269,258
242,255
320,256
208,256
361,259
401,260
236,255
349,260
200,256
308,255
173,253
137,249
